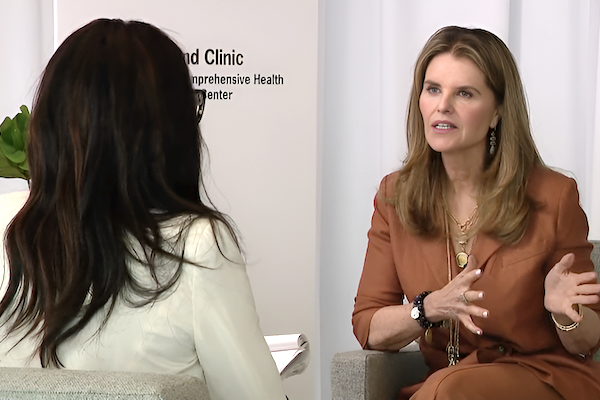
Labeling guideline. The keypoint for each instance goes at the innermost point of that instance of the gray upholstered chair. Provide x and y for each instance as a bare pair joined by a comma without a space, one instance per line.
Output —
61,384
375,375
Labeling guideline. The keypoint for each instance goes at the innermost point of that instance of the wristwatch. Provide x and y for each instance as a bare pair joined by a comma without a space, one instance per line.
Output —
418,312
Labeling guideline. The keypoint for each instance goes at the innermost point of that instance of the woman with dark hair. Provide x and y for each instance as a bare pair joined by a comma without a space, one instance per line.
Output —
487,243
113,261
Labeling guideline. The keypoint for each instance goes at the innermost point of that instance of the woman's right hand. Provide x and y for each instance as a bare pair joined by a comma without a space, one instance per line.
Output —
456,299
392,327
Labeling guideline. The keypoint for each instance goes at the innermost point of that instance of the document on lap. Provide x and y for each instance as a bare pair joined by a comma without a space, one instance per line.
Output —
290,352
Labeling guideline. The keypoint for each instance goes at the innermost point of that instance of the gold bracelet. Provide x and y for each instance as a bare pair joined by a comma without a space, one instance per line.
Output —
567,328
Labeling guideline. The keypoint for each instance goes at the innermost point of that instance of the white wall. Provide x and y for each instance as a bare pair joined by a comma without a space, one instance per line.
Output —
26,46
351,168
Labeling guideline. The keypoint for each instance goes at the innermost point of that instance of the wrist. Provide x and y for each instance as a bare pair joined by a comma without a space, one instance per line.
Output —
418,312
564,323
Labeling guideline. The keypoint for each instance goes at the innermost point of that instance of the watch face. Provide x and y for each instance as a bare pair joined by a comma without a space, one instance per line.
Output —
414,313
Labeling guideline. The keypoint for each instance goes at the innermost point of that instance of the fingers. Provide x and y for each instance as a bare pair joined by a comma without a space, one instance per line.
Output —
471,273
472,310
565,263
471,295
588,289
472,264
573,315
586,299
582,278
467,321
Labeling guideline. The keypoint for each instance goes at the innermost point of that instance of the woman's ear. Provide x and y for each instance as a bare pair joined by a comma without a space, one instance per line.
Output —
496,117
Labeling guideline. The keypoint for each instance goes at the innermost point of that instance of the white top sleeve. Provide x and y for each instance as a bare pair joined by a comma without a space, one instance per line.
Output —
230,345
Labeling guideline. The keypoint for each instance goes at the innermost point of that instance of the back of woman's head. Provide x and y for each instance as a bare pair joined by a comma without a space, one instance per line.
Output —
114,150
114,123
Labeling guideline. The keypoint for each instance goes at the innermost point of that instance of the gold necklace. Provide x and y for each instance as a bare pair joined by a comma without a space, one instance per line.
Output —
453,347
463,239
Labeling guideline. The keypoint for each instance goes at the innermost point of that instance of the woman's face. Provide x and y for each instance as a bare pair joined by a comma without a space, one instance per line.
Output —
457,105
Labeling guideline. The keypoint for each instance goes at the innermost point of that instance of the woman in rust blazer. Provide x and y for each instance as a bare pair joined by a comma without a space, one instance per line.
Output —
488,245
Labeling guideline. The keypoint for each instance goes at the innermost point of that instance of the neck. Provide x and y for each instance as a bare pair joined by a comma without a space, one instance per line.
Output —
464,173
464,180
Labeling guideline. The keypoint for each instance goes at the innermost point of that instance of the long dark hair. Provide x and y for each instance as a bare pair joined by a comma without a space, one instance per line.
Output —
114,152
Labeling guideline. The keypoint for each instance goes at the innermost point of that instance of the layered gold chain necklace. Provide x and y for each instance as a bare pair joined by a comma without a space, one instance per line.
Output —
463,237
462,258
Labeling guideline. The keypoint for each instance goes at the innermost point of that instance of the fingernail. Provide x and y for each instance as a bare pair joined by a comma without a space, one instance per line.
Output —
480,295
478,272
485,314
479,333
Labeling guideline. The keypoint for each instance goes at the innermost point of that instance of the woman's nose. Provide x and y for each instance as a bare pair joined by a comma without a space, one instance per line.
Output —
445,104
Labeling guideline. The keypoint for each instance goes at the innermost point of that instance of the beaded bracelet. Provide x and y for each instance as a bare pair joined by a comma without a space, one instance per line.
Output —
418,312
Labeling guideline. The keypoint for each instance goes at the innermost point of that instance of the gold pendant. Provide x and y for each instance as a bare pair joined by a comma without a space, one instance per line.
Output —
428,335
462,259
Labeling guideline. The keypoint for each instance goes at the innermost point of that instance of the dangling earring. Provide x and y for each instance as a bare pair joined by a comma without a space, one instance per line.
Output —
493,141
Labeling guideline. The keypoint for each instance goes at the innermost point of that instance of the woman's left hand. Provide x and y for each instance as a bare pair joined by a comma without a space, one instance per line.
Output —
565,288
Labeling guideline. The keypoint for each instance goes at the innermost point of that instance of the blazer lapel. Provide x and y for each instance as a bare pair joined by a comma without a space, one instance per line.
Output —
433,252
484,247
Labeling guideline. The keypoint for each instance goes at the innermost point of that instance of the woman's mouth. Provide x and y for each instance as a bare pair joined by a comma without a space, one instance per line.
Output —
443,126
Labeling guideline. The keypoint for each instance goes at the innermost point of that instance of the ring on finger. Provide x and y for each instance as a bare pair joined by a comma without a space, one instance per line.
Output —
463,298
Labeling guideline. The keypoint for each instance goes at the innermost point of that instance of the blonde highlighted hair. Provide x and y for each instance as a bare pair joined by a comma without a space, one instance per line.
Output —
503,203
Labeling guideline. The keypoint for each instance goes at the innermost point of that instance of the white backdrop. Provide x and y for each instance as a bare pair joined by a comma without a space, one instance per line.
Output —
367,50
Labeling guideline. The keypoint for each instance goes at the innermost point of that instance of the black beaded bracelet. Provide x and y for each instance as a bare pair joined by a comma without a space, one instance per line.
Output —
418,312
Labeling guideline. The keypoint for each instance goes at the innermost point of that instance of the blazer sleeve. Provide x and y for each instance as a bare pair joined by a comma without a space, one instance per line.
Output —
379,285
231,348
571,235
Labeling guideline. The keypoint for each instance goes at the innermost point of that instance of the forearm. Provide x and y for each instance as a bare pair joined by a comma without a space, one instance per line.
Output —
584,338
392,328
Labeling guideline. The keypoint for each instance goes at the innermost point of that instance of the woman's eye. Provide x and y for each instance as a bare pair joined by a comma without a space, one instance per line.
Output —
464,94
433,89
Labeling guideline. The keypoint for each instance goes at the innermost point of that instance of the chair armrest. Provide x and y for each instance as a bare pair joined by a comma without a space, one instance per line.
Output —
374,375
58,384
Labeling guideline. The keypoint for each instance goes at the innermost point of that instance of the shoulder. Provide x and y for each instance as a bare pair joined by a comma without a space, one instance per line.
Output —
387,187
541,176
205,242
548,185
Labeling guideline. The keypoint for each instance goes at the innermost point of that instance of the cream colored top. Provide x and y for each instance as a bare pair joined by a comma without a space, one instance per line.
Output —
207,326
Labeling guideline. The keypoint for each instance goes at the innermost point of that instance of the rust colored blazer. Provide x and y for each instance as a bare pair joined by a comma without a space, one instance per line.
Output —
519,329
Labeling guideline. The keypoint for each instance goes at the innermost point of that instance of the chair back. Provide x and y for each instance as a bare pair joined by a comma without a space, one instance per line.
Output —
596,254
596,260
63,384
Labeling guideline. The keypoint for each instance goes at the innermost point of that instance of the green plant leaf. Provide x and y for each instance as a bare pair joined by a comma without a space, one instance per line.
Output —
23,124
13,145
13,154
9,170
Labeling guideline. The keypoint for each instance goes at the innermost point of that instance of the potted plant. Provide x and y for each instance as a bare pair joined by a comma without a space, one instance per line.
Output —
13,145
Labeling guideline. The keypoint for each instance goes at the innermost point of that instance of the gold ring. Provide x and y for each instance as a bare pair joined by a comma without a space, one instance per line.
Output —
463,298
